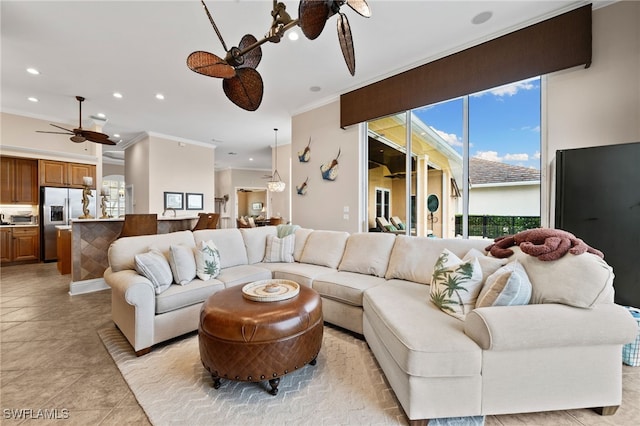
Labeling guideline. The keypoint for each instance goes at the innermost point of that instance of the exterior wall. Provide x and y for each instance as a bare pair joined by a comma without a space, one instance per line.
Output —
505,200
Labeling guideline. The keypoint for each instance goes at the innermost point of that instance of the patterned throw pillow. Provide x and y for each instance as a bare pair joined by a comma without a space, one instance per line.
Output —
390,228
155,267
182,263
507,286
207,259
455,284
279,249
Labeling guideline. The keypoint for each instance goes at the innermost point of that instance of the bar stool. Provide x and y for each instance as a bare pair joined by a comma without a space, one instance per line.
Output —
139,224
207,221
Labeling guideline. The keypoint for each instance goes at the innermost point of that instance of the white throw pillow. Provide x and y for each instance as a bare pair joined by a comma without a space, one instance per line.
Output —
182,263
508,286
207,259
155,267
455,284
488,264
279,249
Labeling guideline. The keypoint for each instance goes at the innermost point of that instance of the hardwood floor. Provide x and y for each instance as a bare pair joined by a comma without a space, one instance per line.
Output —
52,362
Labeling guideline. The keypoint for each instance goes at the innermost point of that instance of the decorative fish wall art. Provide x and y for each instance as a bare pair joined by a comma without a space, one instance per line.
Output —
305,154
302,189
330,170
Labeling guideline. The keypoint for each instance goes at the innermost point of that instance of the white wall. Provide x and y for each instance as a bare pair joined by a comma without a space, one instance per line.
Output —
323,205
505,200
599,105
226,183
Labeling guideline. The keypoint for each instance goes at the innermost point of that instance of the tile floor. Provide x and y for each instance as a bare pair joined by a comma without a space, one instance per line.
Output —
51,358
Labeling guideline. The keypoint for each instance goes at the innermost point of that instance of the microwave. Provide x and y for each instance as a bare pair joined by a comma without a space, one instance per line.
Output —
23,219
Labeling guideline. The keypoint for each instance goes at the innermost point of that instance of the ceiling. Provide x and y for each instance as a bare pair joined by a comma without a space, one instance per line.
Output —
139,49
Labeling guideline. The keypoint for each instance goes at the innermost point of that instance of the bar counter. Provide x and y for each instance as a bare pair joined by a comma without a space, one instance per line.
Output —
90,243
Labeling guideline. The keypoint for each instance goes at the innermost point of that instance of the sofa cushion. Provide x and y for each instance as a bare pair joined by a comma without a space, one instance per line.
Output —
255,240
176,297
367,253
324,248
155,267
182,263
412,258
456,284
279,249
122,251
301,238
229,242
576,280
302,273
345,287
507,286
207,259
422,340
243,274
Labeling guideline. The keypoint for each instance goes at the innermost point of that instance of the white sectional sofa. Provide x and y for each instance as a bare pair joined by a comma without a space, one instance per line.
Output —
499,359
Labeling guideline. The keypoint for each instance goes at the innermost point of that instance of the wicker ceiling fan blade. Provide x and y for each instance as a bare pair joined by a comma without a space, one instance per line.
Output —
361,7
245,89
95,137
312,16
346,42
208,64
253,57
54,133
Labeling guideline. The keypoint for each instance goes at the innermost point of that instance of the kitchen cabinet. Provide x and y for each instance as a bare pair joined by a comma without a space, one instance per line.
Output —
19,178
20,244
67,175
64,251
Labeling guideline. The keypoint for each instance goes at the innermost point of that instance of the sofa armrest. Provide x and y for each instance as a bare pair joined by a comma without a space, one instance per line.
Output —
133,306
504,328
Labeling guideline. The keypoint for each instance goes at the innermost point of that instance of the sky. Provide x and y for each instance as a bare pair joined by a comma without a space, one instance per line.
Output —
504,123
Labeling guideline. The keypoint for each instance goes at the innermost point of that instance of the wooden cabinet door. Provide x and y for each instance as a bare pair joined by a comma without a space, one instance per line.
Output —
26,244
26,181
53,173
78,171
6,248
6,180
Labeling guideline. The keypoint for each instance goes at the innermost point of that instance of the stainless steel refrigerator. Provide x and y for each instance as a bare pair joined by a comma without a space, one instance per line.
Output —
58,207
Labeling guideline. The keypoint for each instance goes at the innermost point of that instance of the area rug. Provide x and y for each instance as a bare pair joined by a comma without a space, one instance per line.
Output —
345,387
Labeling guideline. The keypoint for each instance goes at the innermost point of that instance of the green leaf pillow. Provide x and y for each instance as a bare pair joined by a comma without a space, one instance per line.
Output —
207,260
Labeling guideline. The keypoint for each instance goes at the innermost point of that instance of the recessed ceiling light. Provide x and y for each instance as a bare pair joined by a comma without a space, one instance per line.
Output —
482,17
250,159
293,35
159,96
116,135
315,88
32,99
33,71
117,95
101,115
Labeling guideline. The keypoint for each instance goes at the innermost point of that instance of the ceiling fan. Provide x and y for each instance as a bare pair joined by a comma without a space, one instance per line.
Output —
242,84
314,14
80,134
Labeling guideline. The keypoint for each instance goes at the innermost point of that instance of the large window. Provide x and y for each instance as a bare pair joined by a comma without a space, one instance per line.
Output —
474,168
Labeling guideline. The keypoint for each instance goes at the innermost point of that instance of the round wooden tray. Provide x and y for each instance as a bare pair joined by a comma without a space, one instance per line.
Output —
270,290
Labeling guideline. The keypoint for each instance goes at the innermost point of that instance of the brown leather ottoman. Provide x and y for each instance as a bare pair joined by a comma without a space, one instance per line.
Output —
245,340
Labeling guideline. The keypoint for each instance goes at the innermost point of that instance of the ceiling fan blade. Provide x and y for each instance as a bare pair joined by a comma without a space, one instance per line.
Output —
62,128
54,133
245,89
346,42
208,64
77,138
251,58
95,137
312,16
361,7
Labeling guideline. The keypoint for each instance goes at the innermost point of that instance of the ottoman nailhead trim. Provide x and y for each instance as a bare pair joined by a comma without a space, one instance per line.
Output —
262,377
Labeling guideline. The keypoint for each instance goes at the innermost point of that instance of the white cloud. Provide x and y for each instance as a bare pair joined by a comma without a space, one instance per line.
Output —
509,89
488,155
516,157
536,156
450,138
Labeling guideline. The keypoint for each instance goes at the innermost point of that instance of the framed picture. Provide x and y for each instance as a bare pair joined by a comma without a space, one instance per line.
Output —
173,200
194,201
256,206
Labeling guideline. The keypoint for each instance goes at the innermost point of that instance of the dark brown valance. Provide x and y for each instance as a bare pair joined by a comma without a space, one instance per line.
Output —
552,45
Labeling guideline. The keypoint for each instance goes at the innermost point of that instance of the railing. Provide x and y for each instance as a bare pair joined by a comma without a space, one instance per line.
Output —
496,226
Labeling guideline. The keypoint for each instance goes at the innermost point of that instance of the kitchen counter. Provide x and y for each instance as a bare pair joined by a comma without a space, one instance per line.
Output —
21,225
91,238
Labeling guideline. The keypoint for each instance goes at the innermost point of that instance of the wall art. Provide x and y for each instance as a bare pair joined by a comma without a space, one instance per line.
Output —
302,189
174,200
195,201
305,154
329,170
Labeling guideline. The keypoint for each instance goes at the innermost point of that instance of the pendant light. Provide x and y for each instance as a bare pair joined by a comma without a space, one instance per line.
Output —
276,184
